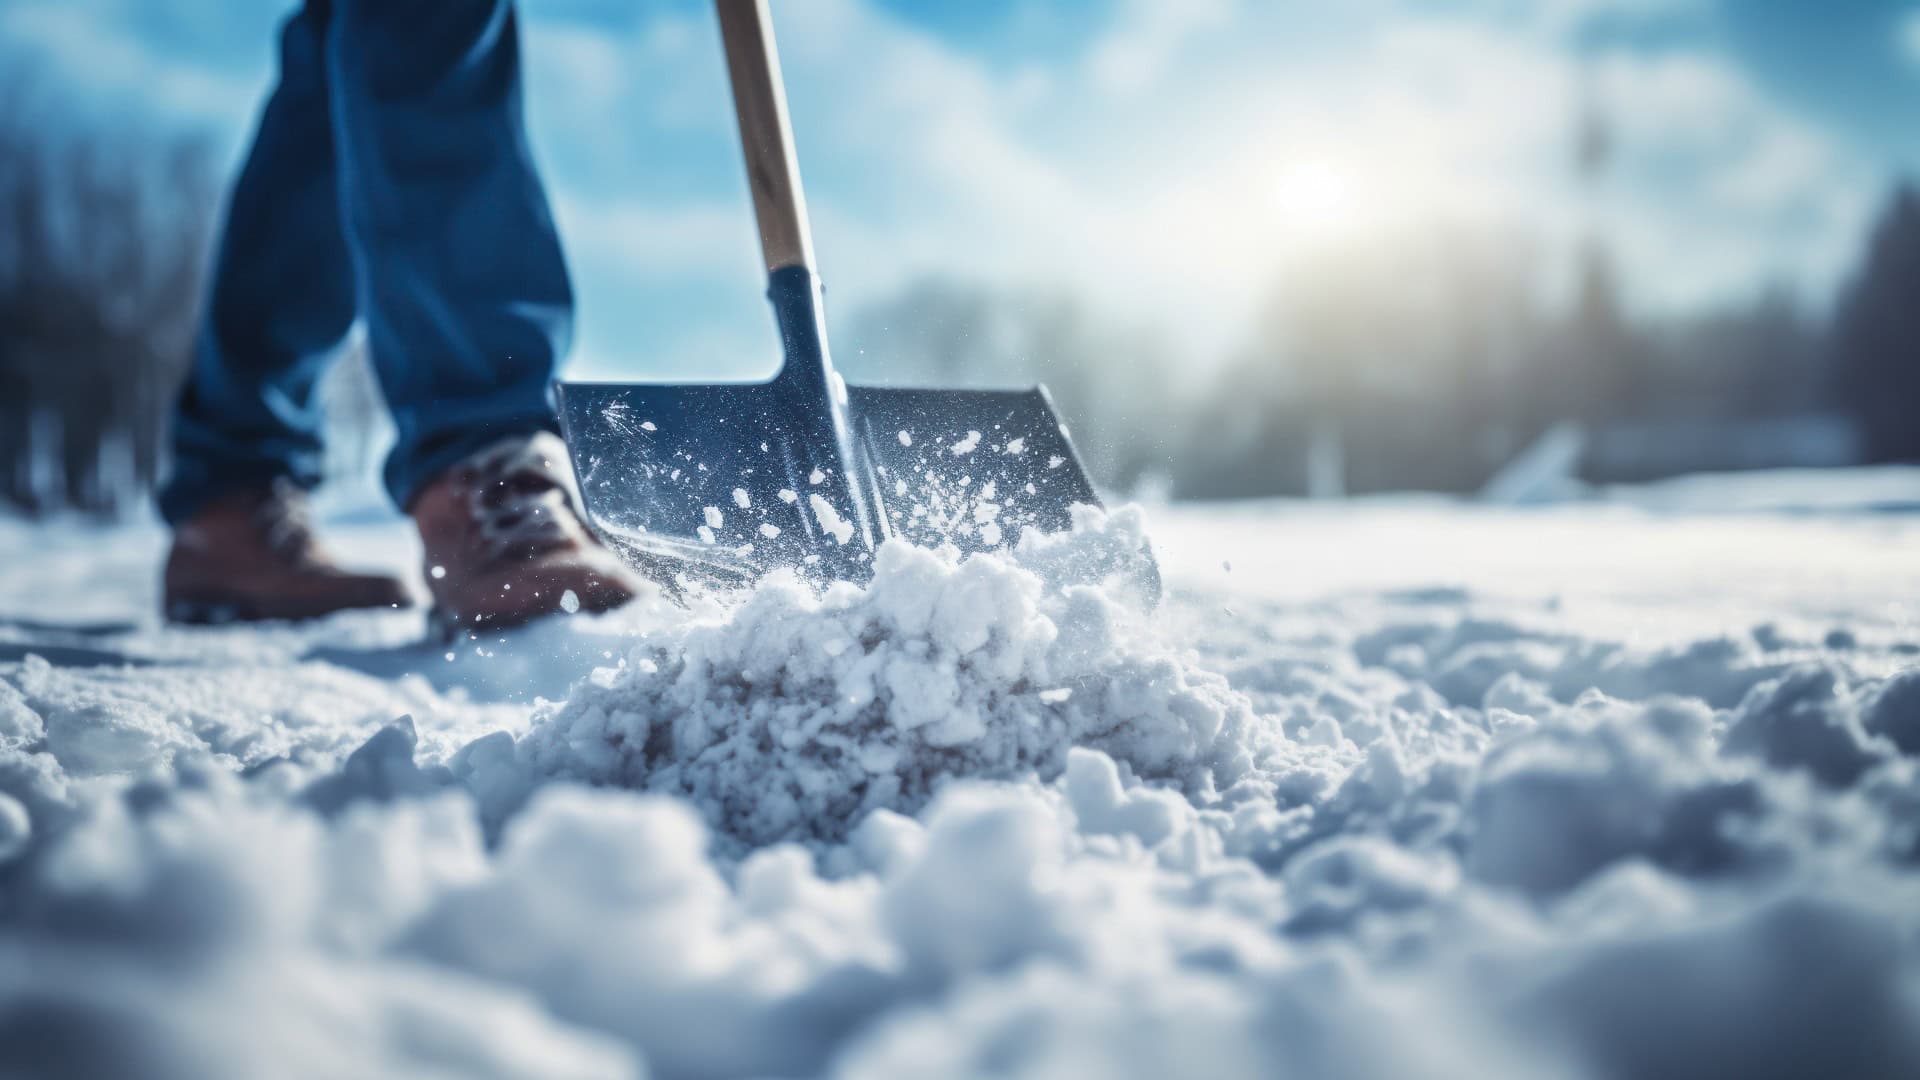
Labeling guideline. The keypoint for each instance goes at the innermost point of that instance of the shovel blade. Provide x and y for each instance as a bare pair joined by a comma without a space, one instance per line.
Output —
716,483
972,468
685,477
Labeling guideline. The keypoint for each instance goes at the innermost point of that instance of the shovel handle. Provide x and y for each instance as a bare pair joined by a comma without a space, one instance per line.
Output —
760,104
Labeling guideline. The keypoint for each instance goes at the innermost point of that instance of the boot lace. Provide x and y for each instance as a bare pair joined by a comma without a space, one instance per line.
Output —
520,497
285,521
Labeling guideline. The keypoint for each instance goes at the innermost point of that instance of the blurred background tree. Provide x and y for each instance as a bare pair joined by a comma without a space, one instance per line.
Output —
1876,336
101,257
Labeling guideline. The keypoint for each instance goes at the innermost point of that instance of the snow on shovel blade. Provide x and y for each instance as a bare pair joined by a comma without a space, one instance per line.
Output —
718,484
967,467
701,481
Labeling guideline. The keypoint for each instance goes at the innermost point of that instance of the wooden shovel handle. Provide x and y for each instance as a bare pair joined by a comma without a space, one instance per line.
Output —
760,103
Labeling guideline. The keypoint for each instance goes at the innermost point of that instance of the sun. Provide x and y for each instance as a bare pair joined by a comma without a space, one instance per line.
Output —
1314,194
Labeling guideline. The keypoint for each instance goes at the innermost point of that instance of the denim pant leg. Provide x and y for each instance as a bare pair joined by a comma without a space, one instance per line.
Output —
280,301
462,284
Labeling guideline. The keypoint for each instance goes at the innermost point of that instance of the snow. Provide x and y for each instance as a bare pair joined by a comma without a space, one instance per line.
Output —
1624,788
829,519
794,715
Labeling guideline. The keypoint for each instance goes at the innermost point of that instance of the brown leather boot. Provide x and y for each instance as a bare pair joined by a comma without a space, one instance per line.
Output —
504,540
252,555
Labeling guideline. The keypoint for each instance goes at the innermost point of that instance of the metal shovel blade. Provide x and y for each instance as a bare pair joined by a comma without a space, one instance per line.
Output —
967,467
725,482
722,483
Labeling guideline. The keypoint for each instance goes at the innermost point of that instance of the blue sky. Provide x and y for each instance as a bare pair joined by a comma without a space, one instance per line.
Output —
1172,163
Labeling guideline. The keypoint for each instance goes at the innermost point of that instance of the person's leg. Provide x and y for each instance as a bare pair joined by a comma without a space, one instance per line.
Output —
464,290
246,435
280,302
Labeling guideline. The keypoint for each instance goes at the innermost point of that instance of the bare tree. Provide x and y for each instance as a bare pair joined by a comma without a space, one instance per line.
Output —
103,236
1876,336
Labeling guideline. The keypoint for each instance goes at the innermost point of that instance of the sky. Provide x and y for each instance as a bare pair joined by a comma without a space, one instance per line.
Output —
1171,164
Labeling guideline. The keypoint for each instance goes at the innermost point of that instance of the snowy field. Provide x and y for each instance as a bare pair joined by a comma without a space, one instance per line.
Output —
1404,788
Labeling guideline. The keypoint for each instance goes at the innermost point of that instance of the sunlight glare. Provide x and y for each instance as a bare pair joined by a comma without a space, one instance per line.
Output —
1314,194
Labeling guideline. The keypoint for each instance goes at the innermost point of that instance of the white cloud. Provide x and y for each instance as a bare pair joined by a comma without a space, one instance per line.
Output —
1718,189
1165,210
1146,39
1150,172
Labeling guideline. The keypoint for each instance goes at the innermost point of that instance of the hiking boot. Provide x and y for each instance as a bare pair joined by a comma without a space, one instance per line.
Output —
252,555
505,543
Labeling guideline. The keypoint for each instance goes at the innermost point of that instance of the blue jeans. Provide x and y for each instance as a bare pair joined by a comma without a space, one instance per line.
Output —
389,180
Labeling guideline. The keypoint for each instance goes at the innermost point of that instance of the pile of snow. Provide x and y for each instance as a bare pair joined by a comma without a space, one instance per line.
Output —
990,817
795,714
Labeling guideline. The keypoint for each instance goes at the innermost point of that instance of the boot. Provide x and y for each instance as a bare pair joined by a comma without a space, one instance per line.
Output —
252,555
504,541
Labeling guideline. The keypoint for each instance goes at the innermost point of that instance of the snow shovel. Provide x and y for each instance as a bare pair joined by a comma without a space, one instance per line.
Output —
722,482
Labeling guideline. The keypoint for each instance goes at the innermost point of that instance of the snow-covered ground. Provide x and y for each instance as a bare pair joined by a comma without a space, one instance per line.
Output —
1623,788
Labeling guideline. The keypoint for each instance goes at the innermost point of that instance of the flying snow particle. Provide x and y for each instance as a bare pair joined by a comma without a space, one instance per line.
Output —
906,437
647,425
990,534
769,530
967,445
1056,695
705,534
789,496
714,520
1056,461
569,602
817,477
830,520
1016,446
741,499
438,572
